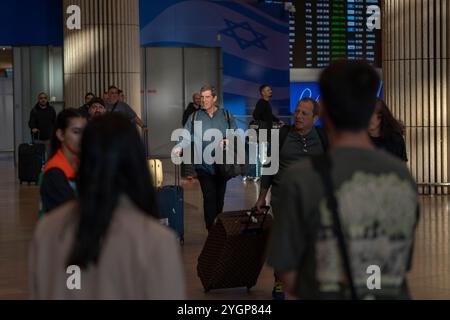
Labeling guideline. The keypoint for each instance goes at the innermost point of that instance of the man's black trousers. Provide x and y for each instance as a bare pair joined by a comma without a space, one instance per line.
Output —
213,189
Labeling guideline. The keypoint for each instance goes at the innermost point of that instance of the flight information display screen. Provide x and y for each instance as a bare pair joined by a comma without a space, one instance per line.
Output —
323,31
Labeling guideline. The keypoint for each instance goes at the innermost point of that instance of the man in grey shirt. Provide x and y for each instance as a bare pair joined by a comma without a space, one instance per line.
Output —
297,143
114,104
377,204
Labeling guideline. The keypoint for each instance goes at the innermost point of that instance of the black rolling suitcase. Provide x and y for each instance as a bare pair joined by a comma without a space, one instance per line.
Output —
31,161
235,250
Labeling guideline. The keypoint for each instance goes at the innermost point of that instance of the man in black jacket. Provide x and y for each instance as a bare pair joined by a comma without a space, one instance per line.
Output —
192,107
263,111
187,170
42,121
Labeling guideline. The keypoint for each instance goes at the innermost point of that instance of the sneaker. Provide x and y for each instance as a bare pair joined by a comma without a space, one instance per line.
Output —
277,292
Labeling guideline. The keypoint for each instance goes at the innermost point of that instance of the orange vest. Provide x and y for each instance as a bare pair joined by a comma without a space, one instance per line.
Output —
60,161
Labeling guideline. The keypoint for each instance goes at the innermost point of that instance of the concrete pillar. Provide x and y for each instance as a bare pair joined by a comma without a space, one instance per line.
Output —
106,51
416,72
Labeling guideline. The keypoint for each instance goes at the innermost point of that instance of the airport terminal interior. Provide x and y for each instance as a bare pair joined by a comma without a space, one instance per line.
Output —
159,53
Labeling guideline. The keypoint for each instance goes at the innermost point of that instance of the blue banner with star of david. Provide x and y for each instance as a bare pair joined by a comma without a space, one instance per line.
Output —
254,39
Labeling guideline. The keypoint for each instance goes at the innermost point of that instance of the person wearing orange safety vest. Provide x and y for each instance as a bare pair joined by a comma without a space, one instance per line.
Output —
58,180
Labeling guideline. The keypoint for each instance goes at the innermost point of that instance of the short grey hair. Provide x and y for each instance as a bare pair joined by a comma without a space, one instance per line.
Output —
209,88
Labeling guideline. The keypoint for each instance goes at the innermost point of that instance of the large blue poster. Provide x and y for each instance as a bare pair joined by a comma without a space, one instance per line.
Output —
254,41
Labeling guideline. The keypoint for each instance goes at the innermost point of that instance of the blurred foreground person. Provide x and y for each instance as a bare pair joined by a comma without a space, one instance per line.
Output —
347,219
108,244
386,132
58,184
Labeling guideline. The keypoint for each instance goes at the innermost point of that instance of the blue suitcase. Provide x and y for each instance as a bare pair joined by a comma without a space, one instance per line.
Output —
171,206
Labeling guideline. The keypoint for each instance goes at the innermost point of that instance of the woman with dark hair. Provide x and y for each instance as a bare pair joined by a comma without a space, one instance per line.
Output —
387,132
57,185
110,235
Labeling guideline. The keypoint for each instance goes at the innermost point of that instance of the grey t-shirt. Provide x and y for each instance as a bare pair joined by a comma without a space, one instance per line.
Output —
378,205
123,108
295,148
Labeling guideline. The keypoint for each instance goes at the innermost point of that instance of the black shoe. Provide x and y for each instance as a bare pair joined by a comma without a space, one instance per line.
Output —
277,292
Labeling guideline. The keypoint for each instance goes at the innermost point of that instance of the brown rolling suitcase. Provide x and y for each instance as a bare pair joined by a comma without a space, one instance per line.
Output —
235,250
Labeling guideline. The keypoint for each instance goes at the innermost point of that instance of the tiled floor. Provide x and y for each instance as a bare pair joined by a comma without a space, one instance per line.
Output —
429,279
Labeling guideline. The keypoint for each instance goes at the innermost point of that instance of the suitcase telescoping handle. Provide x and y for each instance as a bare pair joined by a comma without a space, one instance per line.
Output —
37,134
251,219
177,175
146,144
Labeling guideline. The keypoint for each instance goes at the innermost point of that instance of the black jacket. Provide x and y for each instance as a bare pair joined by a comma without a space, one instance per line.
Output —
394,144
44,120
263,114
84,110
55,189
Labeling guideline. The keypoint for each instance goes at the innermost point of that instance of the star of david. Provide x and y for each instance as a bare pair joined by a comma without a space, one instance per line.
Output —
244,43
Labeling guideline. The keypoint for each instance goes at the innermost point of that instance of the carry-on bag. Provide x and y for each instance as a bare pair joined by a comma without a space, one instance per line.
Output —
171,205
31,161
235,250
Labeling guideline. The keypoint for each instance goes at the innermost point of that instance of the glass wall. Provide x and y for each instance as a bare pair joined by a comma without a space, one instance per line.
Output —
6,101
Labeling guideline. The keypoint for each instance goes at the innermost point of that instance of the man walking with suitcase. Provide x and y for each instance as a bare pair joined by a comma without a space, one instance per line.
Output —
42,120
297,142
212,183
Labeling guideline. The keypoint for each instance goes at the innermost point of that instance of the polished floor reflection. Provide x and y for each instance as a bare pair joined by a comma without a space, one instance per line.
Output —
429,279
